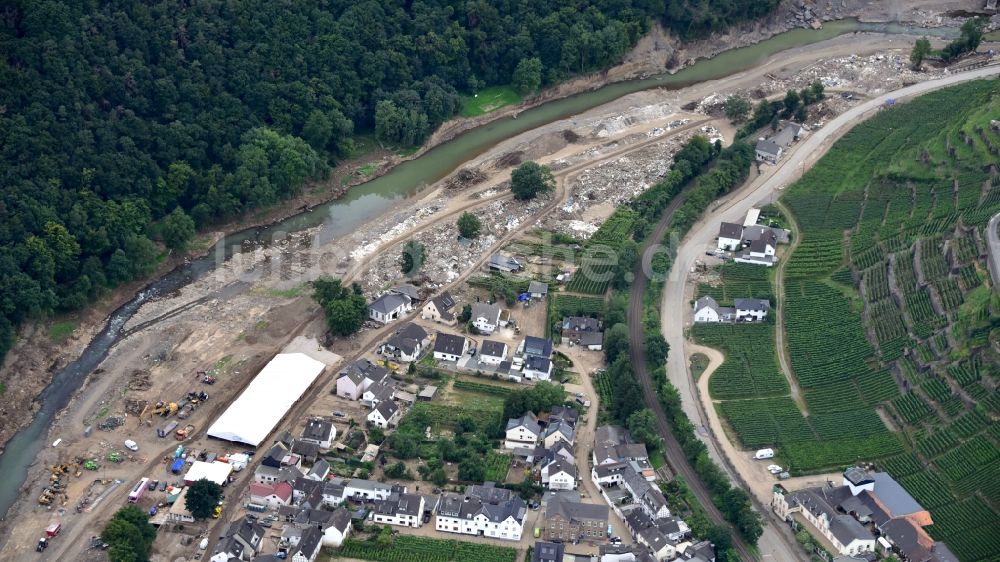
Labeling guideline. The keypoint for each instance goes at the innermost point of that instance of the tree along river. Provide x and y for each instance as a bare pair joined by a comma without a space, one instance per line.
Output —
367,201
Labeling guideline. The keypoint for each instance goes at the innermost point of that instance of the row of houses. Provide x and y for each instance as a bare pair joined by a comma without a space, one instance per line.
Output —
545,551
707,309
547,446
868,512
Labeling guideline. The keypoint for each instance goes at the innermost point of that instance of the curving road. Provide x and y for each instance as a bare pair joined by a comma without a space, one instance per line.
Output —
776,543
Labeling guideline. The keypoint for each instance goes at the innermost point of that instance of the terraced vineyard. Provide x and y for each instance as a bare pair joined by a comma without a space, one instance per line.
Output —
888,308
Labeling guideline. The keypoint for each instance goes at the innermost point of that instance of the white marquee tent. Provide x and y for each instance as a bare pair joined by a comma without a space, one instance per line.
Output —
252,416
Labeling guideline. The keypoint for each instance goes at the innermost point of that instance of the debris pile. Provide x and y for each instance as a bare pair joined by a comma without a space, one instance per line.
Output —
139,380
464,179
111,423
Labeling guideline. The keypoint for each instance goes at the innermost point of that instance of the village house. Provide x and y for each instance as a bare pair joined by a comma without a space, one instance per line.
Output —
492,352
240,542
572,521
751,310
538,290
730,236
357,377
484,510
548,552
558,430
411,291
662,537
760,252
334,526
504,264
389,307
575,327
308,546
385,414
366,490
449,347
701,551
320,431
401,509
537,368
274,495
818,507
645,495
707,309
319,470
768,151
440,309
539,347
522,432
379,392
559,474
485,317
407,344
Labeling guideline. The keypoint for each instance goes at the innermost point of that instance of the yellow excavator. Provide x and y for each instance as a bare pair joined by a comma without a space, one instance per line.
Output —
165,409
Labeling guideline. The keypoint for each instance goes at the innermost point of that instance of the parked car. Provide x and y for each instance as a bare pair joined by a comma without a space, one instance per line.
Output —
153,484
163,486
774,469
339,414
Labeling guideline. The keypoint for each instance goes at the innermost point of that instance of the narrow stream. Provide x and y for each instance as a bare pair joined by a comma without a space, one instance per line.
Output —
367,201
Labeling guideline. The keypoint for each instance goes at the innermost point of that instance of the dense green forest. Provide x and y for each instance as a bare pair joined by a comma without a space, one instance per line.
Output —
126,125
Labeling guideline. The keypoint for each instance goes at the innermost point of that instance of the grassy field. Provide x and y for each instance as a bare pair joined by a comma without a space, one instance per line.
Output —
887,308
489,100
420,549
59,332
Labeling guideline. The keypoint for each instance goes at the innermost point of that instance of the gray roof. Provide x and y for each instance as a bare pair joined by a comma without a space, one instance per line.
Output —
858,476
769,147
318,429
537,363
581,324
706,302
408,290
528,420
305,449
760,244
492,348
562,427
449,343
562,465
538,287
577,511
592,338
443,303
847,529
564,413
389,302
547,552
363,368
897,499
500,261
496,504
491,312
320,468
731,230
537,346
412,331
387,409
309,542
612,435
787,134
757,305
428,391
399,504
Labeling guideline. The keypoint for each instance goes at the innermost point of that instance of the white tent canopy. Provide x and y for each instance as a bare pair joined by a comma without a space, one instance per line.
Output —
252,416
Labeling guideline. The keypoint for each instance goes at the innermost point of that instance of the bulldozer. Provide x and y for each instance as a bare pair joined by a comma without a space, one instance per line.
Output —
114,456
90,464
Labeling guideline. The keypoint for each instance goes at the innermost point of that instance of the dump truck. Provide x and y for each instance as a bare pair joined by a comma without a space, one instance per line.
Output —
166,429
183,433
165,409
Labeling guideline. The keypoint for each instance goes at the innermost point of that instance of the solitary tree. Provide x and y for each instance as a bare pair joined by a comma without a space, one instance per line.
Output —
202,497
737,108
469,225
530,179
412,258
527,76
921,49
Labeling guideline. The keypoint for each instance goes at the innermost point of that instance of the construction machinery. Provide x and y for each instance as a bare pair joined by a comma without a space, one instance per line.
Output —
114,456
183,433
90,464
165,409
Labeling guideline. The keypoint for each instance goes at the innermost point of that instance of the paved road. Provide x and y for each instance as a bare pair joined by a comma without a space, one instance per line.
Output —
764,189
674,453
994,257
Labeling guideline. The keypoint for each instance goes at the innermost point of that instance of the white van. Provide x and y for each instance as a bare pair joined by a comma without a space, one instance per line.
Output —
764,454
131,445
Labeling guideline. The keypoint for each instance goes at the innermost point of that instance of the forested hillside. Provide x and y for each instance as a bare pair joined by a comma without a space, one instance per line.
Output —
126,125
